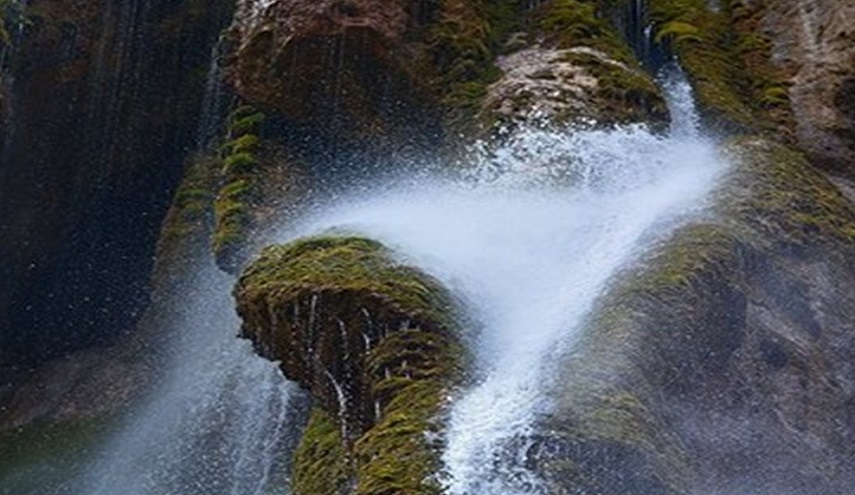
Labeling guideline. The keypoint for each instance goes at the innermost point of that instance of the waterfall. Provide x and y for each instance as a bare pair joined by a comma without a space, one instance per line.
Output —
530,236
221,418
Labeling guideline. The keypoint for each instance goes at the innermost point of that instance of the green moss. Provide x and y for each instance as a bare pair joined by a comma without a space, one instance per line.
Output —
190,215
239,186
246,143
411,373
572,23
239,163
352,263
704,42
345,310
460,44
626,93
244,124
321,462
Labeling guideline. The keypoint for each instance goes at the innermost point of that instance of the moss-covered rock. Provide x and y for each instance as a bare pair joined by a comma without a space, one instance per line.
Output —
377,344
718,362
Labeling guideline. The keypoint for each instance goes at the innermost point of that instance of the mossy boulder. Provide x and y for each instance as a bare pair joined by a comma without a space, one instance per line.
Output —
378,345
725,360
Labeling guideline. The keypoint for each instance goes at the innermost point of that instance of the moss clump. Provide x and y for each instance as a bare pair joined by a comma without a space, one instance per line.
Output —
572,23
460,45
410,372
341,263
238,193
704,42
189,222
377,344
322,465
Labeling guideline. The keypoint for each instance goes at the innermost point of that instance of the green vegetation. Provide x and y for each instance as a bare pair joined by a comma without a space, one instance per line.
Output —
321,463
572,23
238,193
345,309
728,60
789,201
340,263
703,40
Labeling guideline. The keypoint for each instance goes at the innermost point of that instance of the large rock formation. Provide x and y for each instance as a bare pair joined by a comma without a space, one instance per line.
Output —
725,365
377,344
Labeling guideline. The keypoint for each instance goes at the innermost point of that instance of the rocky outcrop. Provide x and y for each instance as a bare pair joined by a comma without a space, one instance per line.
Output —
377,344
577,71
725,365
357,65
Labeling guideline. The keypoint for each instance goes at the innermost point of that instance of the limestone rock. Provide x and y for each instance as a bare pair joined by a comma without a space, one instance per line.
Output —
571,85
724,364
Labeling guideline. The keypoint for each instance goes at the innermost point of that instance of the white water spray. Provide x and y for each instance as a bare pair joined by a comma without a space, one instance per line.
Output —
530,239
218,422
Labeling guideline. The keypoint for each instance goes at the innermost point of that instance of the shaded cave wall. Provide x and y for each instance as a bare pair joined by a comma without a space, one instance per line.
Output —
102,103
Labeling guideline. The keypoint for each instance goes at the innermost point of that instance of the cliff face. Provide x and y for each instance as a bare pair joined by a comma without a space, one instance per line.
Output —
103,101
813,42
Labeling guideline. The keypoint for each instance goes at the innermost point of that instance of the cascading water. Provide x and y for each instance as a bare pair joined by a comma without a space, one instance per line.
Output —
219,420
530,237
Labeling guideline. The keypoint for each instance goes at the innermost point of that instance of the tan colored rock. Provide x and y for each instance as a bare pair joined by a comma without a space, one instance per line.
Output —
579,84
814,40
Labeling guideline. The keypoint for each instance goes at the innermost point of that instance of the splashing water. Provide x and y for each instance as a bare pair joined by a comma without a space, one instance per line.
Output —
218,422
529,238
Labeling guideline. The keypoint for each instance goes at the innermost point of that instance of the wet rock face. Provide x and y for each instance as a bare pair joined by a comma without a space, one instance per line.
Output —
814,42
345,63
725,365
377,345
103,103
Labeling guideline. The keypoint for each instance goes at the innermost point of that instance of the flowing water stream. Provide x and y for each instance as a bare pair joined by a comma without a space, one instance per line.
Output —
530,237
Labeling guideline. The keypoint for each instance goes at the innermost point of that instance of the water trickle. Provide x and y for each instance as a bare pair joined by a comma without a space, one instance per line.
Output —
213,103
530,236
219,420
